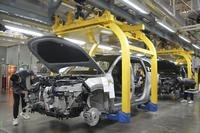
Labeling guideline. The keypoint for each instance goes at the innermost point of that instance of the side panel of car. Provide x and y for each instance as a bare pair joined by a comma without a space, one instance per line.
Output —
145,88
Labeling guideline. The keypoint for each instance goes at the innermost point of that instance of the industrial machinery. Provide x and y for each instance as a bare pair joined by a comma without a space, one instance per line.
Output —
86,86
169,79
124,36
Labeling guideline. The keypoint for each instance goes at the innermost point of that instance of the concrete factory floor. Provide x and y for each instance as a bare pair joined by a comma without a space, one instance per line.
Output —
172,117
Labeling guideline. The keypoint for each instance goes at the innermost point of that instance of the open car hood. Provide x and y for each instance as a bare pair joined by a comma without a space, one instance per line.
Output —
57,53
167,67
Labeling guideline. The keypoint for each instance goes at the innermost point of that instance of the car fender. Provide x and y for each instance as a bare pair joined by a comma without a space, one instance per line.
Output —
104,82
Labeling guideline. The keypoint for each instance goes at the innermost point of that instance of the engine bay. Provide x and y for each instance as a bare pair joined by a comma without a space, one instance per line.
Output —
59,97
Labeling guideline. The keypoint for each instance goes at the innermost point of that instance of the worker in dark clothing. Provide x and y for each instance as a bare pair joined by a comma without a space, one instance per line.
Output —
19,85
189,87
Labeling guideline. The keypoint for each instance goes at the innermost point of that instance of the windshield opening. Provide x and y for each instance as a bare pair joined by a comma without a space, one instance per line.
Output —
104,62
78,70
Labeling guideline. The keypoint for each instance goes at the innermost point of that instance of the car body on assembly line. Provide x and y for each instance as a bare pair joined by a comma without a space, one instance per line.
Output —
86,86
172,79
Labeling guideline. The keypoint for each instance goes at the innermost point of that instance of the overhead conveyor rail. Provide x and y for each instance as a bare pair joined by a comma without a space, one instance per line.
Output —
123,32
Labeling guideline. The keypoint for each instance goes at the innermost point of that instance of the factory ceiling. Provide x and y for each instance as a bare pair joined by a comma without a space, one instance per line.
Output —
174,20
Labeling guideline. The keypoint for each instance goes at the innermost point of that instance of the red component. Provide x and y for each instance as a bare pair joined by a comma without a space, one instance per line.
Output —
4,83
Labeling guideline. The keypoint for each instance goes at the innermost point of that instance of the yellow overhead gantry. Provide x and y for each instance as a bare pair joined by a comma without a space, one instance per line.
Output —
179,52
187,56
122,31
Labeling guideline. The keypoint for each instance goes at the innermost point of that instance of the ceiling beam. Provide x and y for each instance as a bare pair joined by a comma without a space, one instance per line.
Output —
24,14
152,27
8,44
16,19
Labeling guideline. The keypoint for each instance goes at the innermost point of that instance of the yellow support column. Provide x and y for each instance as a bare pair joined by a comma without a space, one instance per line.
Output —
196,80
125,67
140,36
189,68
92,50
94,42
154,73
188,59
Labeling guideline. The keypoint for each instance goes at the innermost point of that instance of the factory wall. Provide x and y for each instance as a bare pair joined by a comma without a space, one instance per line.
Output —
2,62
12,55
20,56
2,54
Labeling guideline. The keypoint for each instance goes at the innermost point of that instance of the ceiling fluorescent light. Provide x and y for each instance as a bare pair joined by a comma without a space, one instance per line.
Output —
139,54
185,39
79,42
107,32
165,26
136,6
105,47
196,46
25,31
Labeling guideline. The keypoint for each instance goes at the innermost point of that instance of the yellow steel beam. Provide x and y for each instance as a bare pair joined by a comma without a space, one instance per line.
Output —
130,28
154,73
70,18
92,40
92,50
189,63
174,51
83,29
181,61
125,66
196,80
79,23
138,35
141,50
130,36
